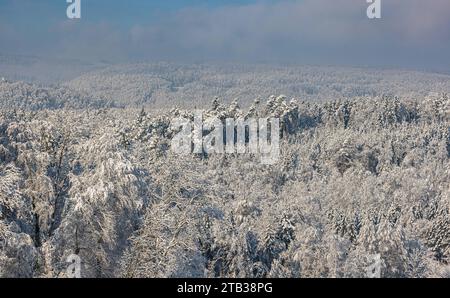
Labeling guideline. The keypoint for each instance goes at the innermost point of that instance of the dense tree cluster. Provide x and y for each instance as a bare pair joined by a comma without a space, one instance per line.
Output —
167,84
356,177
20,95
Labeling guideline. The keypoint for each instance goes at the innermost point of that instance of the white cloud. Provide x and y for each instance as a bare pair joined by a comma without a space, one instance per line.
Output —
412,33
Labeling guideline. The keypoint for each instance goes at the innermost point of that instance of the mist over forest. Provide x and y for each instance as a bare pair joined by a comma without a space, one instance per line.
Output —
224,139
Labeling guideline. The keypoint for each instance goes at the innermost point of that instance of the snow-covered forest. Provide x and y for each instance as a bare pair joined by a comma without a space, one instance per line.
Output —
86,169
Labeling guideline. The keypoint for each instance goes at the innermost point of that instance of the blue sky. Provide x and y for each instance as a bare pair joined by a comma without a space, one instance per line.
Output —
411,33
41,13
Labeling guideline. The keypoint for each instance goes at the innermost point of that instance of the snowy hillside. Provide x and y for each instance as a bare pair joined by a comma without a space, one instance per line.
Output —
166,85
363,171
21,95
